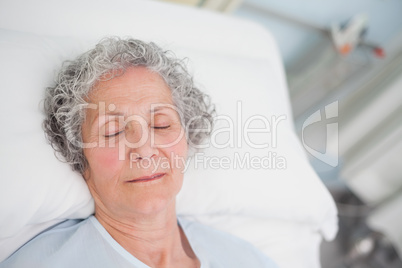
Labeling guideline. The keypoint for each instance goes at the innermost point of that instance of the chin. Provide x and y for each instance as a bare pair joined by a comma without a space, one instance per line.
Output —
154,206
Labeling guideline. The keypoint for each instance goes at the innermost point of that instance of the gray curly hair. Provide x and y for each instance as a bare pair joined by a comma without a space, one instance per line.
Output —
64,102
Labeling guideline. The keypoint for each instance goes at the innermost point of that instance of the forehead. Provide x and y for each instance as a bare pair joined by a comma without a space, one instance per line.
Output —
136,87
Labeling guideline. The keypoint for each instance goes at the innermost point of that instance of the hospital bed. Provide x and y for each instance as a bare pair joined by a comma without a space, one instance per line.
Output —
279,205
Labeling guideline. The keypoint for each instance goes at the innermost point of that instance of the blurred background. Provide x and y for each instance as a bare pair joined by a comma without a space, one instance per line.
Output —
343,61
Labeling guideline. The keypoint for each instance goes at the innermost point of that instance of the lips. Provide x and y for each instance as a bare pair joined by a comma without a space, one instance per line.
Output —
149,178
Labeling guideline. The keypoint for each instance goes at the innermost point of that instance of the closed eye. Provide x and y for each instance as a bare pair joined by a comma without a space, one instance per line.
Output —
113,135
163,127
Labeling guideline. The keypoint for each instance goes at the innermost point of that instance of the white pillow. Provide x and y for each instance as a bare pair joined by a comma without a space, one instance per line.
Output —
287,188
36,189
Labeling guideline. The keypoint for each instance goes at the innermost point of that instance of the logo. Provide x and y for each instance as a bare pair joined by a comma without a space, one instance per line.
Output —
329,157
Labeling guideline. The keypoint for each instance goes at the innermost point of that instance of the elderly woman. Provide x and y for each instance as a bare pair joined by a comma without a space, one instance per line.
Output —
124,115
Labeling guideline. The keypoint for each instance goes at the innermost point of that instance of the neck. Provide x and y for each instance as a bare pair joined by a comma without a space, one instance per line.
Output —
156,240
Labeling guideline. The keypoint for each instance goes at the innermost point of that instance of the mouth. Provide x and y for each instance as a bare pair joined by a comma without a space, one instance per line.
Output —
149,178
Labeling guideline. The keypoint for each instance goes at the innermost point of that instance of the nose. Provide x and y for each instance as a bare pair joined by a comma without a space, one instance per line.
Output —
144,148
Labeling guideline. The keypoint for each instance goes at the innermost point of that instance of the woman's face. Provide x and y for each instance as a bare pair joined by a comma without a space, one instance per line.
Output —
136,147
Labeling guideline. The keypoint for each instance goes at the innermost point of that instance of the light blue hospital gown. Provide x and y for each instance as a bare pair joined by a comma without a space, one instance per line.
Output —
86,243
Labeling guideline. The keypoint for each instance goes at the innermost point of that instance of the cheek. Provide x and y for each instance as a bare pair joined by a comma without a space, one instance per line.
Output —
170,137
104,162
178,155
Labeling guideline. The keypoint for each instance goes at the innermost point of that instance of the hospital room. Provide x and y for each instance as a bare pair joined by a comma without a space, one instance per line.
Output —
201,133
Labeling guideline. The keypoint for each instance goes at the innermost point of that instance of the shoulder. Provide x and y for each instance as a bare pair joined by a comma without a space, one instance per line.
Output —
220,249
51,244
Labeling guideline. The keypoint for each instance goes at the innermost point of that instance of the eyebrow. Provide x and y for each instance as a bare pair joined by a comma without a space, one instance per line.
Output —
151,111
106,114
158,109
